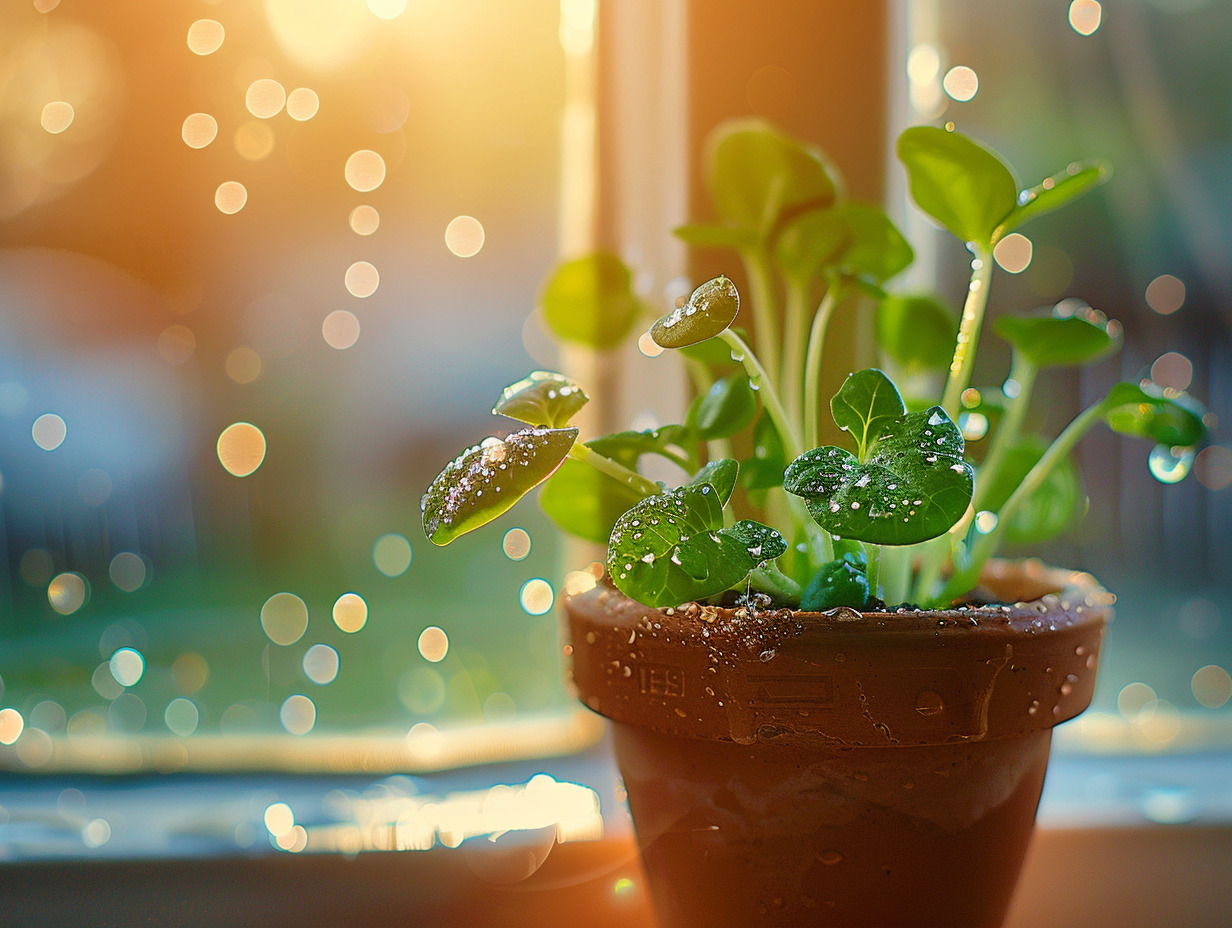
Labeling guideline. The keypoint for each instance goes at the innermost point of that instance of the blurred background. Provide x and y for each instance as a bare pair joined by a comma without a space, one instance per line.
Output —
265,265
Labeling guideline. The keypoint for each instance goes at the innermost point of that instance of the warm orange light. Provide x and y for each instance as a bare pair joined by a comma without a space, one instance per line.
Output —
241,449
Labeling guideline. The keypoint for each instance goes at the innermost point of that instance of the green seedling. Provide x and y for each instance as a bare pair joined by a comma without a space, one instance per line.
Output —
903,511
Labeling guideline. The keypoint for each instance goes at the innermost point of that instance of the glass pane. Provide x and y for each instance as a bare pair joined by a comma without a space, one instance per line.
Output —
263,268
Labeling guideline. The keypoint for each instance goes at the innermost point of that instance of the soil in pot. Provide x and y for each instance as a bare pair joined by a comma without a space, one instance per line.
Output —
839,768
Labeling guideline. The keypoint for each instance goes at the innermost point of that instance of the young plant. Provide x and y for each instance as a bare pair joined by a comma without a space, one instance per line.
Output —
904,514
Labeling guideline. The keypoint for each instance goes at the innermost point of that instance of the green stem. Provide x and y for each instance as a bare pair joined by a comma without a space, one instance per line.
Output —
1022,372
967,574
764,385
872,554
769,579
968,332
765,315
794,345
632,479
812,367
895,573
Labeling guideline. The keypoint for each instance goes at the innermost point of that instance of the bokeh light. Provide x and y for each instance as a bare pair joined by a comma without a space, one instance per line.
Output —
1013,253
241,449
961,83
923,63
516,544
1135,699
1085,16
298,714
1173,369
362,279
387,9
464,236
536,596
11,725
340,329
648,346
254,140
49,431
433,644
303,103
57,116
284,617
365,171
182,716
279,819
205,36
1212,686
265,98
36,567
350,612
230,197
422,690
1165,294
176,343
191,671
68,592
199,130
94,486
1213,467
392,553
364,220
46,6
127,666
321,664
127,571
104,683
243,365
96,833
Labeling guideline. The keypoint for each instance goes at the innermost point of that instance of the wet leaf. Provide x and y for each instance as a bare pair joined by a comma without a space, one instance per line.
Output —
765,468
590,301
963,185
756,174
585,502
916,331
719,474
913,485
1168,417
710,309
1051,509
1055,192
865,403
726,408
672,548
841,582
625,448
485,481
543,398
1049,340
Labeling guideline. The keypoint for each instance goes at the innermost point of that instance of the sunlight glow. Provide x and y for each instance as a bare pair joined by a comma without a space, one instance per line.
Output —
464,236
57,116
230,197
241,449
961,83
1085,16
199,130
205,36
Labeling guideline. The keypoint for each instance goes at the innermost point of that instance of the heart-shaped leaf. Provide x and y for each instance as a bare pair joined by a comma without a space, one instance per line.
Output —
963,185
1167,417
725,409
719,474
485,481
710,309
1055,192
590,301
865,403
912,486
811,242
764,469
585,502
672,548
916,331
876,249
1051,509
841,582
543,398
705,235
1065,336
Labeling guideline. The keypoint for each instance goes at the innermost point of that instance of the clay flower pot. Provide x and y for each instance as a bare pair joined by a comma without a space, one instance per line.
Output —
839,768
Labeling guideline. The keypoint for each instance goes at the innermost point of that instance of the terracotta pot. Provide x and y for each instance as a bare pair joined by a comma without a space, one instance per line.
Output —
838,768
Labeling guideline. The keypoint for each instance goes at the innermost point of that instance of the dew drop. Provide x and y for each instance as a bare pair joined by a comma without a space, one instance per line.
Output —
929,703
1170,464
830,858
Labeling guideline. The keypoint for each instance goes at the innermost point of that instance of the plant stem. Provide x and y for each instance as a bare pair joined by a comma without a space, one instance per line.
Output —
968,331
812,367
632,479
872,554
1022,372
764,385
895,573
765,316
769,579
794,346
967,574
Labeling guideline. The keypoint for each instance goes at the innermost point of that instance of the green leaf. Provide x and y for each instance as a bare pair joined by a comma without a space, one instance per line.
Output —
710,309
963,185
625,448
1055,192
585,502
865,403
1167,417
764,469
726,408
543,398
1051,509
719,474
1063,337
706,235
672,548
715,353
876,249
811,242
757,173
484,481
841,582
590,301
913,486
917,331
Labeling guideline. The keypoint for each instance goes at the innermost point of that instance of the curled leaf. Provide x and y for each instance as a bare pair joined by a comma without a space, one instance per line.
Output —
1167,417
710,309
1055,192
543,398
486,480
1066,335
